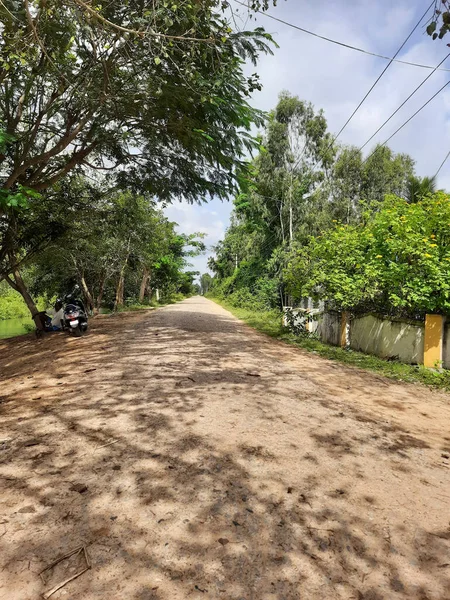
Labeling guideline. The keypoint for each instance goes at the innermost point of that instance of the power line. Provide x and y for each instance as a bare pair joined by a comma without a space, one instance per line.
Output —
403,103
344,45
335,137
397,131
415,114
442,164
383,72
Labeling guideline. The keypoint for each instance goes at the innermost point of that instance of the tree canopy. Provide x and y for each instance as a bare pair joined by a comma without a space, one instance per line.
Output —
155,91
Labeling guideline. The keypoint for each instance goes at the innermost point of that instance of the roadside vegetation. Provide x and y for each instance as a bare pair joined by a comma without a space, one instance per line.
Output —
314,219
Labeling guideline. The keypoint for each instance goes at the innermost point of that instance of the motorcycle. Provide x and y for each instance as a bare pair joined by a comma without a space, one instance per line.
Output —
75,318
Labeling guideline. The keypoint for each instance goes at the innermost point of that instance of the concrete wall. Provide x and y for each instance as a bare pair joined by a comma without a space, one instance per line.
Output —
388,339
399,340
328,328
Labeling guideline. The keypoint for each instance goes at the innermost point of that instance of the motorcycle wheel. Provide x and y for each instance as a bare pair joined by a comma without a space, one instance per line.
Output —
77,332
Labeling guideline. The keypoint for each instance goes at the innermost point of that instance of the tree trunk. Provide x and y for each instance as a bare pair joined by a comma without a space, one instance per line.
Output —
281,221
87,294
101,291
144,284
291,215
291,223
119,302
19,285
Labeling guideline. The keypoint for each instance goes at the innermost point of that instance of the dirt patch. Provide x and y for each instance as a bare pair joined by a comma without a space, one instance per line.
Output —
195,458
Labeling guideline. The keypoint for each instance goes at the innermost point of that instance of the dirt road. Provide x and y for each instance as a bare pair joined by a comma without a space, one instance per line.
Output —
197,459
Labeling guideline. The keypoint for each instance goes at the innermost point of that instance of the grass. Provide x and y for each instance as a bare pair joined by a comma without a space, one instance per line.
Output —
12,305
270,323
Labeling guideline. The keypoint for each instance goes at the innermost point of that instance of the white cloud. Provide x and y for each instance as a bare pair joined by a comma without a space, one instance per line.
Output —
210,219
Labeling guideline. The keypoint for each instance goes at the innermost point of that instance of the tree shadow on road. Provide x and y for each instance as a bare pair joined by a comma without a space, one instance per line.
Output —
170,512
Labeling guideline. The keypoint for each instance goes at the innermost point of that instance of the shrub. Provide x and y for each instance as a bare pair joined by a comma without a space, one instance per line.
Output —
397,261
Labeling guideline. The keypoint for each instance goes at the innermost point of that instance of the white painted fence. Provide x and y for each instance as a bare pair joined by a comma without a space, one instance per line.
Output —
396,339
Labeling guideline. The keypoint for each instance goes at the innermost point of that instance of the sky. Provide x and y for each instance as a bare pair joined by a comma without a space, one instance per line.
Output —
336,79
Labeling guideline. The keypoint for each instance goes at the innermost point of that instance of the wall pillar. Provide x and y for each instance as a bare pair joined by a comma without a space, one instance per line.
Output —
345,330
434,341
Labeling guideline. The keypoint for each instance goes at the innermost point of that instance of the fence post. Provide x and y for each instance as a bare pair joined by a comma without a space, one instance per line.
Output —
345,330
434,341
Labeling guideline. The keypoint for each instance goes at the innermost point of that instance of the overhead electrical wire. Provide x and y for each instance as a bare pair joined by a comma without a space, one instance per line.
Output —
415,114
391,60
397,131
335,137
403,103
383,72
442,164
344,45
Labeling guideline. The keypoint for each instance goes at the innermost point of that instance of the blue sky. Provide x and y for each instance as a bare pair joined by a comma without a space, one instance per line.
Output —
336,79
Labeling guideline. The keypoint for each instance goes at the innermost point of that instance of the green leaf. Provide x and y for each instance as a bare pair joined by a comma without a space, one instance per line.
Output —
431,28
157,60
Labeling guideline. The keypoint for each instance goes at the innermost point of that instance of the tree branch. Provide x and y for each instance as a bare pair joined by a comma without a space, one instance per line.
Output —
142,34
38,40
76,159
44,157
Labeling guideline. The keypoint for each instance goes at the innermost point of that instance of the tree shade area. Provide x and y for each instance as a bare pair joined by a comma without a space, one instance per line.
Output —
118,247
315,218
105,109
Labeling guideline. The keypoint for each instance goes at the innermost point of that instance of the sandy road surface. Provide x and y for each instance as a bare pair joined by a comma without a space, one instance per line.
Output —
218,464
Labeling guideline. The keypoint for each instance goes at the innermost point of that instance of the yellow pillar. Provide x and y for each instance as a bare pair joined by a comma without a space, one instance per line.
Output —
434,337
345,329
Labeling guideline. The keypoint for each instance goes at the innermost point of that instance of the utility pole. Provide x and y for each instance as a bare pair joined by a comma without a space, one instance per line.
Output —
236,261
291,219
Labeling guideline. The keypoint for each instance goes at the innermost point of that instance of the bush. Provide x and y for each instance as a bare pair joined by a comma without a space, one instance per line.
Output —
397,262
261,295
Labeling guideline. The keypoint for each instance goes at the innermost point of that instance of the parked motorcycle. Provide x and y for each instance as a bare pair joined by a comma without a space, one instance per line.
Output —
75,318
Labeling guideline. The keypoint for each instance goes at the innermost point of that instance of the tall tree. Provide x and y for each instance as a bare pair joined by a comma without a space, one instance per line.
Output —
299,186
151,90
205,283
355,181
419,187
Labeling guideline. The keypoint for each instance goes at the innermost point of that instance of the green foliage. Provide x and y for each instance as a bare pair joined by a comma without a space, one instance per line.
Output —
356,183
152,93
261,294
440,19
286,198
12,305
418,188
397,262
205,283
99,80
111,241
18,199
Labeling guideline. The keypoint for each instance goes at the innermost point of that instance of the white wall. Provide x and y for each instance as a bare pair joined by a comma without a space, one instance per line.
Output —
328,328
396,339
388,339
